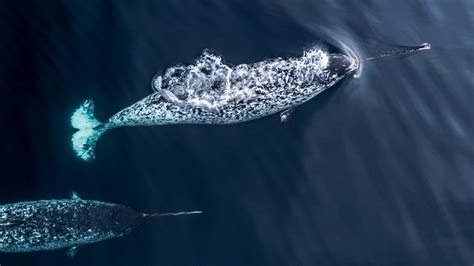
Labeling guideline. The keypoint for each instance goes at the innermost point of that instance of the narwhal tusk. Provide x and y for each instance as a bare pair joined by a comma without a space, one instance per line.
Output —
400,53
170,214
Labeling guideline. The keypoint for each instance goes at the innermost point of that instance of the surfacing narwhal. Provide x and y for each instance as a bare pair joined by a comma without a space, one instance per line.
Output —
211,92
67,223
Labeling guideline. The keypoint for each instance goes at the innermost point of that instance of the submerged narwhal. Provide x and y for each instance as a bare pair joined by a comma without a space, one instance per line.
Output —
67,223
211,92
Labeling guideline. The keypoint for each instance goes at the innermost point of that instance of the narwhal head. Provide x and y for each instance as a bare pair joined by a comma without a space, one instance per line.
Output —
319,67
338,66
122,220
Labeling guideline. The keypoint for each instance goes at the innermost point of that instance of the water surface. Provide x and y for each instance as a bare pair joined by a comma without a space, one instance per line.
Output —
375,171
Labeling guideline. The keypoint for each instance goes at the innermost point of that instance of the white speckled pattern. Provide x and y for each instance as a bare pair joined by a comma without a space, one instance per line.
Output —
54,224
211,92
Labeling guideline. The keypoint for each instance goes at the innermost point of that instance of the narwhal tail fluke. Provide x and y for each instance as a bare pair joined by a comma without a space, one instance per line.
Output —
89,130
171,214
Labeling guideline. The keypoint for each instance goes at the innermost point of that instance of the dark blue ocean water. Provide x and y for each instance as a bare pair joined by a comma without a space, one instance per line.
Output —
378,170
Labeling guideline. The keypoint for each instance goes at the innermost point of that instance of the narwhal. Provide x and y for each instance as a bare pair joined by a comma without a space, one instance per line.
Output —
67,223
211,92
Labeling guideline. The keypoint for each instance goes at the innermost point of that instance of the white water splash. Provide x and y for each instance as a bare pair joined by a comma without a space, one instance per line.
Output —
210,84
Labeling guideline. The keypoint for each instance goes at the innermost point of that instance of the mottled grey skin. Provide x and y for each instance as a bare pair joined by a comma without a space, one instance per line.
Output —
270,97
210,92
55,224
